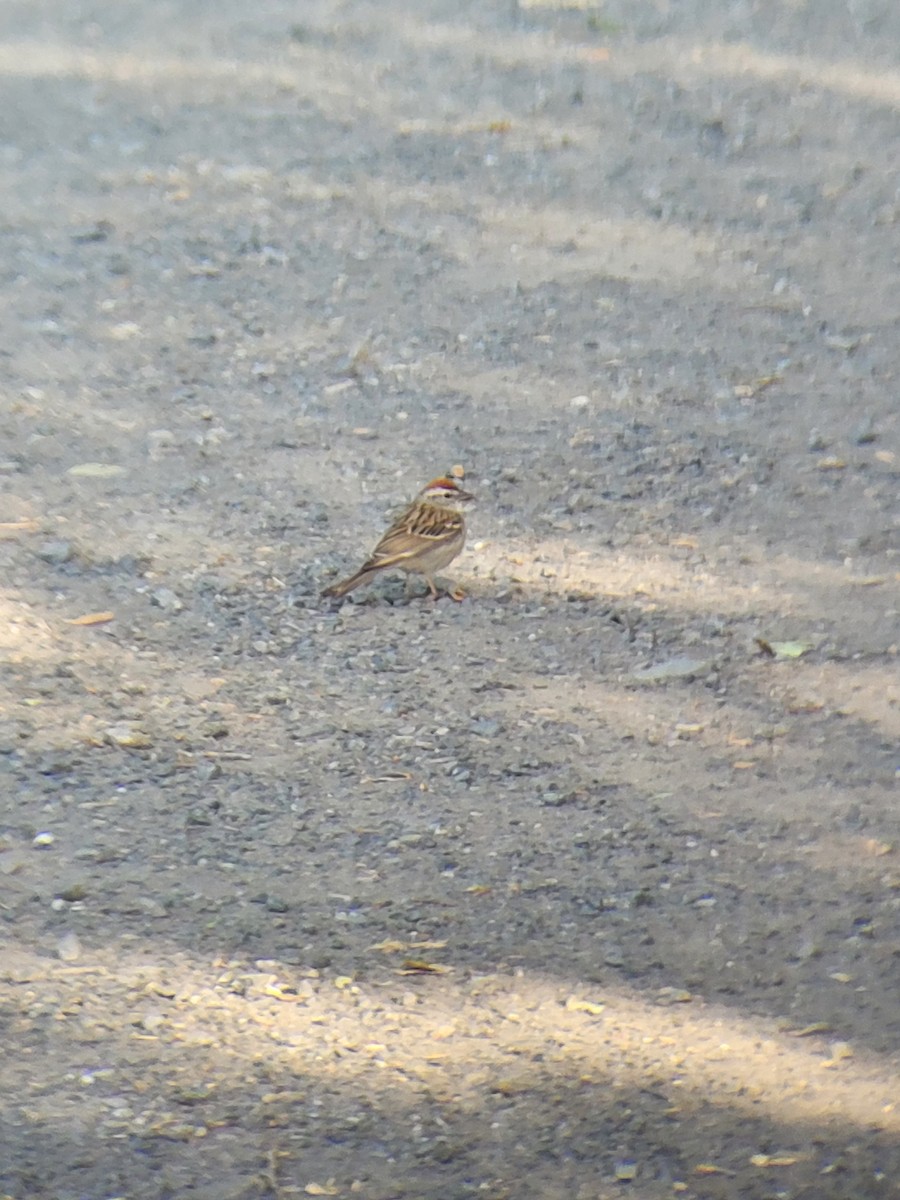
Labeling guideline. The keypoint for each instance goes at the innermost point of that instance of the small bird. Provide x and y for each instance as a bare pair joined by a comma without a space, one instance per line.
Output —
424,539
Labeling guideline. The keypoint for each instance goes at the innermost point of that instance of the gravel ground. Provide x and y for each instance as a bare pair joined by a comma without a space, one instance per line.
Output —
589,885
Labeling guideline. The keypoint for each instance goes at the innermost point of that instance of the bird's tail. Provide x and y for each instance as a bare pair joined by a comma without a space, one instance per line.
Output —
346,585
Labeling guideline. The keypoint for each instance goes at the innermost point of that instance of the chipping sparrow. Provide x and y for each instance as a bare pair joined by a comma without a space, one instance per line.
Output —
424,539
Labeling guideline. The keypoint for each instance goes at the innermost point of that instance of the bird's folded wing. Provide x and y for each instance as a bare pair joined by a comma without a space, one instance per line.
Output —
405,538
385,557
434,524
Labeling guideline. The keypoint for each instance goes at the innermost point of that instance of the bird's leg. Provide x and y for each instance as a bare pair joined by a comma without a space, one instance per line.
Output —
432,588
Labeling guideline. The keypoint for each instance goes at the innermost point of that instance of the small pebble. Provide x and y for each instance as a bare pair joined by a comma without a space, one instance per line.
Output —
865,432
56,552
69,947
128,737
159,441
71,895
681,667
166,599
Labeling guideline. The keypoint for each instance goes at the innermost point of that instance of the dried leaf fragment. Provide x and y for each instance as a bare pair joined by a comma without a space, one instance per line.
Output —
511,1086
418,966
94,618
878,848
773,1160
321,1189
816,1027
672,995
284,993
390,946
746,391
574,1004
790,649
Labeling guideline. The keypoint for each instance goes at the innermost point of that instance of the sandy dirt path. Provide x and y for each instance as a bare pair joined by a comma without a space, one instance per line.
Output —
587,886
